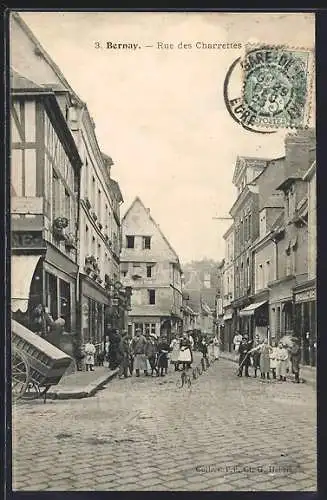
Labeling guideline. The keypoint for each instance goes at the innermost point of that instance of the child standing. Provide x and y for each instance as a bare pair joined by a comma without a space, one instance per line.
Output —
281,362
273,361
90,351
174,347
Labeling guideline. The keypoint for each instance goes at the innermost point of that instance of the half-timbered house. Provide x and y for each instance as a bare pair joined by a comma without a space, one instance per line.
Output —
45,168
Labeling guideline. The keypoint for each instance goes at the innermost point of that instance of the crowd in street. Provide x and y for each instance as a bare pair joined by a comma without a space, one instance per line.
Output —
148,354
272,361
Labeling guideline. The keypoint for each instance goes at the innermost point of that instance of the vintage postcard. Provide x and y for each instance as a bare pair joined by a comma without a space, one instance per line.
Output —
163,251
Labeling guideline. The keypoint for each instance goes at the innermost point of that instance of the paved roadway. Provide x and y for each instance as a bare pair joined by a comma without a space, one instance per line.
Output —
226,433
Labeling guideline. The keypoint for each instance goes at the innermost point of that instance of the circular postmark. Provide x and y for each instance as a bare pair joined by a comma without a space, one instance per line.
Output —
234,103
274,89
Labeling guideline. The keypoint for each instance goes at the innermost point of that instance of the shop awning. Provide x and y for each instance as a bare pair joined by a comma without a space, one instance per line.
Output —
22,270
250,310
227,317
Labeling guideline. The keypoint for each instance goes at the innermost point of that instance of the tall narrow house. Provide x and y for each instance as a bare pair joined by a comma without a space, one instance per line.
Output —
151,267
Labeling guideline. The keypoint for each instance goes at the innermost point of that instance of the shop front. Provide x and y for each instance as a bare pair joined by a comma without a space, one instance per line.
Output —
227,334
147,325
43,288
28,252
281,314
305,321
94,308
240,323
258,319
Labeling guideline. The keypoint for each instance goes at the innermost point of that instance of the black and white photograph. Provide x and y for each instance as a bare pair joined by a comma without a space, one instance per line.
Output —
163,251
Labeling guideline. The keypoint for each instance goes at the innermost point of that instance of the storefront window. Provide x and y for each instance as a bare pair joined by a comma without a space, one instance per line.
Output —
99,336
51,294
138,326
65,304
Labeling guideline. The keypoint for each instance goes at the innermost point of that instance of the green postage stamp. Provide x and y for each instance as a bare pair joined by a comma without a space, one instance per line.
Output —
277,86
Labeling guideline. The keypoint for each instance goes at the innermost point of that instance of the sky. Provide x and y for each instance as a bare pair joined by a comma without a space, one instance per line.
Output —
160,113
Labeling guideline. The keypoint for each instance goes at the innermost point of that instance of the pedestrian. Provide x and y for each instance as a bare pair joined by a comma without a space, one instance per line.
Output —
115,353
90,351
265,351
210,349
185,353
163,349
281,362
216,347
151,352
204,347
273,361
124,352
174,348
138,347
295,356
192,341
131,354
256,355
106,351
244,357
237,341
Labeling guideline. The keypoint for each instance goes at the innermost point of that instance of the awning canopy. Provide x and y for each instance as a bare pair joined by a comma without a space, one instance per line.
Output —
227,317
250,310
22,270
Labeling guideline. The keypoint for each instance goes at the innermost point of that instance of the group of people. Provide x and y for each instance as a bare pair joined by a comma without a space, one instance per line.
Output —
146,354
277,359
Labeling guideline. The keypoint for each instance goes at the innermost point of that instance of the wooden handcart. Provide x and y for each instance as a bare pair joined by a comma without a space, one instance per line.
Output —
36,364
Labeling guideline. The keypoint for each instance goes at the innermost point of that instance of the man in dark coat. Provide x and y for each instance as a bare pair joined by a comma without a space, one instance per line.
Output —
124,348
115,354
295,356
163,349
244,359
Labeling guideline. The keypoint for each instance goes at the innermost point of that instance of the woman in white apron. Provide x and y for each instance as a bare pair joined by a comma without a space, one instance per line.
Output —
174,355
185,352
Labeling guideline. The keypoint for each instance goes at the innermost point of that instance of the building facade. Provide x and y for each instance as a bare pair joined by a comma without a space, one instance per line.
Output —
264,260
245,214
228,289
201,284
87,206
305,292
151,267
45,173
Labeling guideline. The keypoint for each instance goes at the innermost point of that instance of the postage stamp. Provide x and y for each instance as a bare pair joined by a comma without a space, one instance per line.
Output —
277,86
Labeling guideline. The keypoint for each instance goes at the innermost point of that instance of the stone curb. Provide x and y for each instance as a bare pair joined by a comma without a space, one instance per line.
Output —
84,392
309,380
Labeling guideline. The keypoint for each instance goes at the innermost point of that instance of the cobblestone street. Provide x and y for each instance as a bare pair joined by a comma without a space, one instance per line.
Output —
226,433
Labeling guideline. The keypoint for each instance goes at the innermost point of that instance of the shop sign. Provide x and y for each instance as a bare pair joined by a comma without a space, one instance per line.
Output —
305,296
30,239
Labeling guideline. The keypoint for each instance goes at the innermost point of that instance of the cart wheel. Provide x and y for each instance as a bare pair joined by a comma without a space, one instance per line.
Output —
19,374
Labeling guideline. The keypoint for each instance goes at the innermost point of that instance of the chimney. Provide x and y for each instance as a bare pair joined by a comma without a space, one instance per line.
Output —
297,152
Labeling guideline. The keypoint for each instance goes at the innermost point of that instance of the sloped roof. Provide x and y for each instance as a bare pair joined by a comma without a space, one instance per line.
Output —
250,160
115,186
138,200
19,82
45,55
278,222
